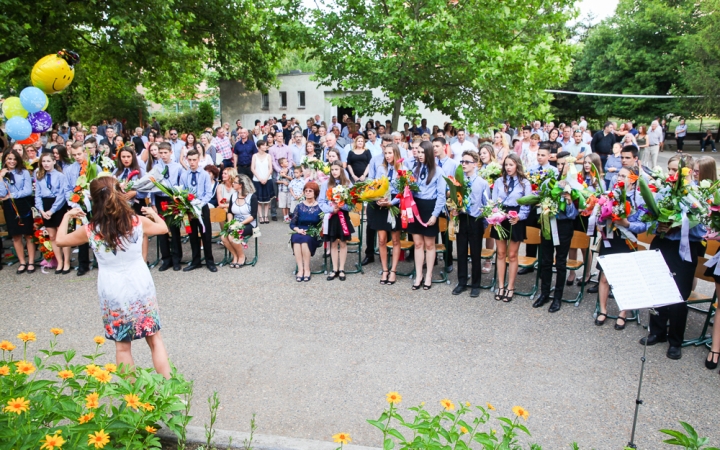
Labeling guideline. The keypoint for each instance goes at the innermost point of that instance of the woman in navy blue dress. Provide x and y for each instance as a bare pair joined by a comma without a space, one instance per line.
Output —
306,215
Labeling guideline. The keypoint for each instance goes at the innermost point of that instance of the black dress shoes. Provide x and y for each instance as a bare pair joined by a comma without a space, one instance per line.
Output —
475,292
593,289
165,266
448,269
674,353
191,267
541,301
555,306
176,267
367,261
652,340
82,271
211,267
459,289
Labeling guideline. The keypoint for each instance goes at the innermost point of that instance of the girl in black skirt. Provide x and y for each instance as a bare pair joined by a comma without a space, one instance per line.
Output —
595,184
50,191
430,200
17,201
377,215
619,244
339,227
511,186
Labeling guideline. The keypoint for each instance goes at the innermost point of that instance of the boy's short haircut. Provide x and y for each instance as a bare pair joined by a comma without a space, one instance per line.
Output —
280,161
164,146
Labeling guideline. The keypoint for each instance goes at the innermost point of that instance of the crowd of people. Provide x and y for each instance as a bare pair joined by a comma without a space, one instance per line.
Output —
273,171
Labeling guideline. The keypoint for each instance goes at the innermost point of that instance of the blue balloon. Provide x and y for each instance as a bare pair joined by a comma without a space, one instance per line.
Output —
18,128
32,99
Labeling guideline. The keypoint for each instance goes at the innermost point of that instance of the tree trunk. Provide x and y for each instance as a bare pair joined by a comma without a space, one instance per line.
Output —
396,114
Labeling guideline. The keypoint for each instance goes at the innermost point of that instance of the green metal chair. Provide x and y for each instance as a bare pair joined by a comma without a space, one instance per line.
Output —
532,238
441,248
356,241
489,254
696,299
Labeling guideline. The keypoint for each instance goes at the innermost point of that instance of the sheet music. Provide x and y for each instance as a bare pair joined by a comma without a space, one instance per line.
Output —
640,280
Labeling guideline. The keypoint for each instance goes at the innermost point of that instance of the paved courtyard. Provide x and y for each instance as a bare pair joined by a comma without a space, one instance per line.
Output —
313,359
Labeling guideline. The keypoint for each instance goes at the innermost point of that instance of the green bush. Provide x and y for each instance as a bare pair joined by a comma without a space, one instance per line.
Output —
205,114
48,400
184,122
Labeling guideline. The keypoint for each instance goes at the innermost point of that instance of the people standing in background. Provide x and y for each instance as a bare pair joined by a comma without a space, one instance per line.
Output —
262,170
655,138
680,133
603,141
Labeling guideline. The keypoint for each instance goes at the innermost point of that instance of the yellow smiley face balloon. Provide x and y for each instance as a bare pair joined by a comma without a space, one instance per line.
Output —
52,74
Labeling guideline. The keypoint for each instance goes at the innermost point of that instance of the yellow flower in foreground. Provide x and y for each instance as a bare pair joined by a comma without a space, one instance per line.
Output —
447,404
17,405
103,376
490,407
394,398
467,404
56,331
99,340
52,442
463,430
147,406
4,370
65,374
685,171
110,367
24,367
151,430
85,418
92,400
7,346
91,369
99,439
25,337
342,438
521,412
133,401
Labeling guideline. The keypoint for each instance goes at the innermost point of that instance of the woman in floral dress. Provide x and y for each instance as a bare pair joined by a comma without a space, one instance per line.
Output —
125,286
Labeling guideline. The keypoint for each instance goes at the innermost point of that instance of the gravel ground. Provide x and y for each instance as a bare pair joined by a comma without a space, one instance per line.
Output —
313,359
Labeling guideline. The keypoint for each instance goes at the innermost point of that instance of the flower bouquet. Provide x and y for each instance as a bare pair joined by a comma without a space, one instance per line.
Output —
406,184
538,177
372,191
41,239
458,199
490,173
233,230
611,208
182,209
105,164
340,195
680,204
494,214
316,230
315,164
711,196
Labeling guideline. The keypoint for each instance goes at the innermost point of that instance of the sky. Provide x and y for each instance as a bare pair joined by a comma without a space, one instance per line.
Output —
600,8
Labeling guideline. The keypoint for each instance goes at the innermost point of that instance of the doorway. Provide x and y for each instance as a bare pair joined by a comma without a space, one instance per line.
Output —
342,112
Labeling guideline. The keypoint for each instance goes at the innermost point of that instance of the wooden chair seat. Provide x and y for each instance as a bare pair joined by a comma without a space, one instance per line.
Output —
354,240
439,247
574,264
524,261
404,245
698,298
487,253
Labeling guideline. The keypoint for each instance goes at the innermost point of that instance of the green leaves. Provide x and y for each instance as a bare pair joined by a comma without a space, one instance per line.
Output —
689,441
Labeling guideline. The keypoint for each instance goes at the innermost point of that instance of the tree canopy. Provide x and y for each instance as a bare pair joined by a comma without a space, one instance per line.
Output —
475,61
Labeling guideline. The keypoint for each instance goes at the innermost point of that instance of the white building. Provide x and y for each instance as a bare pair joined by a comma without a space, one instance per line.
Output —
299,97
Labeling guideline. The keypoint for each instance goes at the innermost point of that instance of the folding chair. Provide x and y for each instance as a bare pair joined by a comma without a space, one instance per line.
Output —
489,253
696,298
441,248
219,216
580,241
404,245
532,238
356,241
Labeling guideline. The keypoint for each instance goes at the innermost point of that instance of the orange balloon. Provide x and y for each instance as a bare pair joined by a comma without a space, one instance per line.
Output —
31,140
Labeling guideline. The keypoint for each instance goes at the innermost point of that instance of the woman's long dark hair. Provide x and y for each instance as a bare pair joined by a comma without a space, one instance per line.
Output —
19,163
134,164
427,149
112,217
151,159
343,179
518,170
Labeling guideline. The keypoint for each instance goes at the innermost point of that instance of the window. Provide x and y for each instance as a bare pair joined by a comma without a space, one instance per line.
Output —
283,99
301,99
265,101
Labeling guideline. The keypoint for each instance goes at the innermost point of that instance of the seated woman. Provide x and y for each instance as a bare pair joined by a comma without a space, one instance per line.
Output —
306,214
619,244
243,208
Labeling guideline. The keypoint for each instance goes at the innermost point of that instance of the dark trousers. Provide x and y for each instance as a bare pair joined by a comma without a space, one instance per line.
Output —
532,221
680,142
245,170
370,240
274,200
171,241
448,243
470,234
227,163
683,274
560,253
84,256
197,234
705,142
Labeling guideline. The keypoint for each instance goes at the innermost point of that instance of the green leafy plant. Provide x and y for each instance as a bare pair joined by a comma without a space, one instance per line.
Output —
205,114
689,441
49,400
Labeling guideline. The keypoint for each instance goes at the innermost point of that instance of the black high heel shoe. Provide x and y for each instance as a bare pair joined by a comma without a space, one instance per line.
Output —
418,286
388,282
709,362
385,280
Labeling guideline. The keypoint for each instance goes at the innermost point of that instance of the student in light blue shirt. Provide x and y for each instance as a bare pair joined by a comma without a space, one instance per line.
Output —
430,201
198,182
17,201
50,201
170,172
471,225
448,166
337,227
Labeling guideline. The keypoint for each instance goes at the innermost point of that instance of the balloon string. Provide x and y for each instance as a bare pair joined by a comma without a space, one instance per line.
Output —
12,200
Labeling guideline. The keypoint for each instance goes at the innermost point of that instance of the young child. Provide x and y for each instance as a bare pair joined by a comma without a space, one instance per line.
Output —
297,185
283,181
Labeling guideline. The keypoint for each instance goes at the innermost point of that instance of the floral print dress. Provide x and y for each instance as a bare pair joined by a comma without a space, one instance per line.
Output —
126,289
